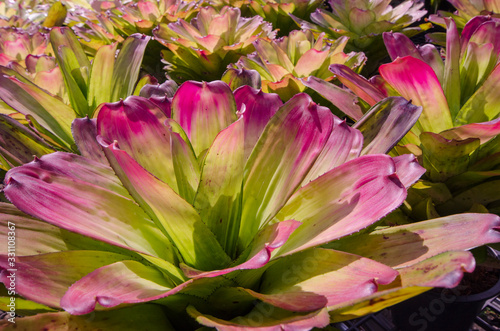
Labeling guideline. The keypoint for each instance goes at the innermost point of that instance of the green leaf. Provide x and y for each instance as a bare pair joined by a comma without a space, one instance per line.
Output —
29,99
443,270
56,15
24,307
451,78
141,317
74,65
101,77
445,158
218,199
406,245
18,144
127,66
65,36
276,167
264,318
484,194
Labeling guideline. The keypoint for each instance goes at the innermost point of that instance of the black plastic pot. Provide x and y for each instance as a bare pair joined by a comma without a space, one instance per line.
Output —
441,310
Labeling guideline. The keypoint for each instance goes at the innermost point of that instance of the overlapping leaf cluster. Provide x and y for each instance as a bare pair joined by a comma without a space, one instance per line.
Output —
169,164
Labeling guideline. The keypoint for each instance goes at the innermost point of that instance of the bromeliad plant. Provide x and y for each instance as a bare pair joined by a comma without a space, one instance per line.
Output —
456,137
467,10
28,54
278,12
221,211
282,62
203,48
86,86
364,22
126,18
17,44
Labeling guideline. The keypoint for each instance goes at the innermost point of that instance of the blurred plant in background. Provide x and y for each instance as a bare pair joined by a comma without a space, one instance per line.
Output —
455,138
282,62
364,22
278,12
203,48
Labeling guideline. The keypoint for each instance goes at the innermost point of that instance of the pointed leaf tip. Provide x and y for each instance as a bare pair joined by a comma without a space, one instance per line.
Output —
203,110
415,80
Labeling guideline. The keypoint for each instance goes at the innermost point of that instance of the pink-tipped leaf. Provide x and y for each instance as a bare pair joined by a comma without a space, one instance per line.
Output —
344,144
336,204
203,110
416,81
177,219
80,196
339,97
358,84
120,282
138,127
256,108
85,133
39,272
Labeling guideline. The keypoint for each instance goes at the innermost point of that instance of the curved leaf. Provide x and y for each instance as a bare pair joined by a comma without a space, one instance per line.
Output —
407,245
256,108
276,166
408,169
443,270
337,276
342,99
176,218
85,133
386,123
51,274
270,238
136,124
64,198
117,283
261,319
416,81
203,110
335,204
140,317
399,45
358,84
344,144
485,131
